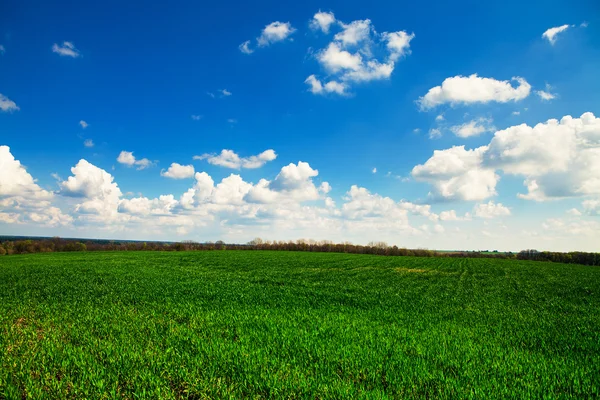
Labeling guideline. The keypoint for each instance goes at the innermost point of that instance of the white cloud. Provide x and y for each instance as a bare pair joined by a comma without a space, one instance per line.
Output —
374,170
316,87
245,47
95,187
516,113
440,118
196,117
491,210
584,24
322,21
449,215
551,34
293,183
574,212
275,32
350,57
335,59
546,95
163,205
221,93
591,207
7,105
474,89
457,174
354,32
473,128
88,143
230,159
66,49
232,120
178,171
83,124
398,43
435,133
15,181
127,158
557,159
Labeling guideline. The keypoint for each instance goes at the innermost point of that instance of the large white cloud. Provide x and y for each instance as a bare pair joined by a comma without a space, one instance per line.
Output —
16,181
293,183
458,174
556,158
474,89
230,159
96,188
22,200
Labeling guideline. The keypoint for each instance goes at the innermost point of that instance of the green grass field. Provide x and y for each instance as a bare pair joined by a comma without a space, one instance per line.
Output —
252,324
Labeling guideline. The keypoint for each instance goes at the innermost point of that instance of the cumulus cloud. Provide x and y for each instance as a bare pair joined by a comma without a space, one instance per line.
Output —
15,181
322,21
491,210
83,124
97,189
274,32
88,143
127,158
316,87
557,159
358,54
474,89
354,32
163,205
67,49
552,33
473,128
398,43
457,174
178,171
7,105
230,159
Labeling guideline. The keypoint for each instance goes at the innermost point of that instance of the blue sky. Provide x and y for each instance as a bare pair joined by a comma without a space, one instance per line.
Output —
344,87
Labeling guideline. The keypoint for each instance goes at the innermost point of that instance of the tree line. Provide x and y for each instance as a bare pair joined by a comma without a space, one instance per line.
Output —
12,246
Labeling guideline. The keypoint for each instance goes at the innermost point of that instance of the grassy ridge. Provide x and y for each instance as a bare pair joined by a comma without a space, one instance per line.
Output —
295,325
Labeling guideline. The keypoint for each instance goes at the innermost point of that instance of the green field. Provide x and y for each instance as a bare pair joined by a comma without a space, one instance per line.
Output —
257,324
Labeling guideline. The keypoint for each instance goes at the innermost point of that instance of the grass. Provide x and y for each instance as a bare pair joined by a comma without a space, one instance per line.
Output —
257,324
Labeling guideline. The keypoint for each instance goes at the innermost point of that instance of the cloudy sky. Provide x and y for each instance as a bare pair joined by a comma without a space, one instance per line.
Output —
441,125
